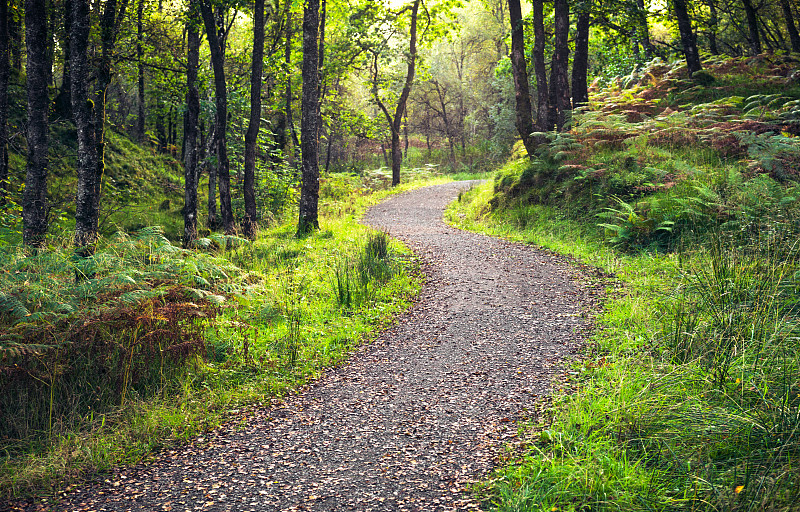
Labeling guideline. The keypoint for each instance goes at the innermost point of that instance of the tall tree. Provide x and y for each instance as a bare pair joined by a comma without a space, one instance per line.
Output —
310,121
250,138
15,34
519,68
63,106
192,117
643,29
109,29
559,74
713,21
688,41
86,214
5,72
396,121
539,66
752,25
34,199
794,37
140,118
580,61
221,95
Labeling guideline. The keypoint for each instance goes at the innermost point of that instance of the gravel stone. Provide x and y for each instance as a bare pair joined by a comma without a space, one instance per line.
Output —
412,418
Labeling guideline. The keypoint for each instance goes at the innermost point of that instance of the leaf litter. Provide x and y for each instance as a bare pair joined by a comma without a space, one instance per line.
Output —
414,418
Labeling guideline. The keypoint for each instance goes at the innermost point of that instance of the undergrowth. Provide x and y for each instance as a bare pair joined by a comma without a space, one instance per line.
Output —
686,397
145,345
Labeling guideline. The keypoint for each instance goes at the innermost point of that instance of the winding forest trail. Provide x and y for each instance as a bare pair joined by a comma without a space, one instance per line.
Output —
411,418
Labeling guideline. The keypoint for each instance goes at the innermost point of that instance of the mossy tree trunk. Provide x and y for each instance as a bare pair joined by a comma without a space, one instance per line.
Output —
310,121
192,116
215,44
559,74
519,69
688,41
5,72
752,25
86,215
251,137
539,67
794,37
580,61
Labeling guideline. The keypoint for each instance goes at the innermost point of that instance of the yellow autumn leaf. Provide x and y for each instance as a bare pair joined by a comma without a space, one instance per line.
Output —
738,489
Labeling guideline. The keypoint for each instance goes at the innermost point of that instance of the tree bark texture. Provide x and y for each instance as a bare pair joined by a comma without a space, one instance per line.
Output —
249,223
63,105
752,25
794,37
310,121
688,41
397,121
34,199
580,61
287,56
15,36
192,116
540,69
109,27
5,72
223,165
86,215
559,74
519,69
713,21
140,118
643,31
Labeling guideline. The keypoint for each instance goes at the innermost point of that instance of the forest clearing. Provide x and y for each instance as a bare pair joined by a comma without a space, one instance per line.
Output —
225,283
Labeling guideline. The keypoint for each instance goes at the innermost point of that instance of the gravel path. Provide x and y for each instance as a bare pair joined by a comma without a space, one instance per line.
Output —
414,417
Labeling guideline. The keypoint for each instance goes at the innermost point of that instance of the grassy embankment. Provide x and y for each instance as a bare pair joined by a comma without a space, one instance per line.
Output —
145,345
688,394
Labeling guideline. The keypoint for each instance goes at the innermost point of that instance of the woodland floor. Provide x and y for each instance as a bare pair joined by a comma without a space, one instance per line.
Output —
414,417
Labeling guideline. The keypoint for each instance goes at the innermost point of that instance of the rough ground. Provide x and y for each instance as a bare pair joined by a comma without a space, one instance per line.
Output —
414,417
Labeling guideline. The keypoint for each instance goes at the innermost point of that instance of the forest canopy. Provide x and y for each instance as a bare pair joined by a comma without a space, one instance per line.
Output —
255,99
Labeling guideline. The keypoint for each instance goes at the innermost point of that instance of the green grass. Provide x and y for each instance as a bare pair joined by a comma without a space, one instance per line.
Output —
687,396
266,317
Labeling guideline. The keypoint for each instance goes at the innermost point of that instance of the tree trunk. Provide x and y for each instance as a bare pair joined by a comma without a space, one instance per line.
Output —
213,219
192,116
15,36
519,68
289,97
63,105
140,118
310,122
752,24
688,41
713,21
5,72
397,154
34,199
108,36
794,37
250,138
86,215
559,77
580,61
223,169
539,66
643,30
